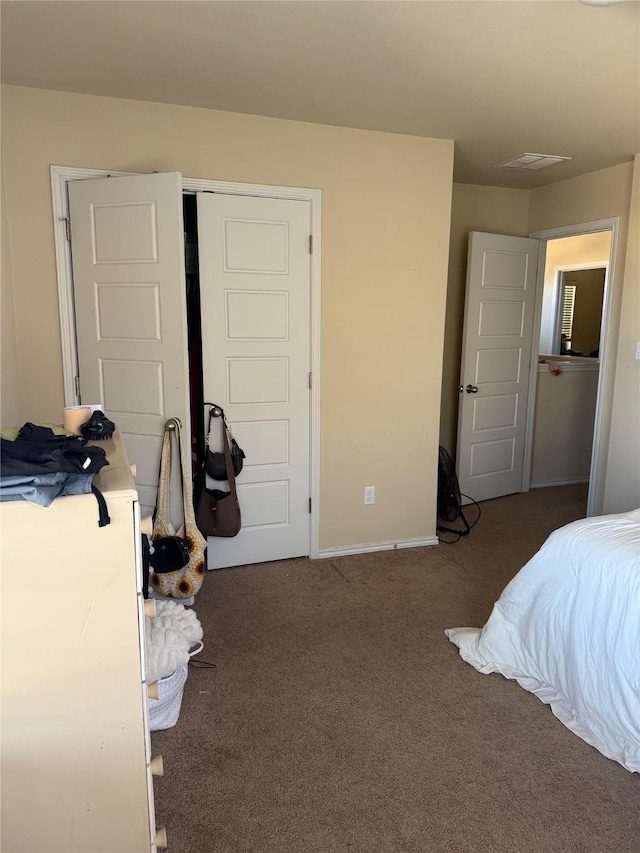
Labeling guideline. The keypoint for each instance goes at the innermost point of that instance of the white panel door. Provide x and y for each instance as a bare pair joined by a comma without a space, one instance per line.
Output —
496,353
255,297
127,238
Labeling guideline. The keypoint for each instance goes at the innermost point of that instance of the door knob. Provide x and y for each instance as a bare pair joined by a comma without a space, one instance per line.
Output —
471,389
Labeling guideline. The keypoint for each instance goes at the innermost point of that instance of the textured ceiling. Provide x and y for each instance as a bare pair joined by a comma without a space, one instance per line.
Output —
500,78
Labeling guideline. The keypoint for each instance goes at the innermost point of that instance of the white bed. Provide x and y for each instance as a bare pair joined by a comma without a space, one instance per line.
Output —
567,628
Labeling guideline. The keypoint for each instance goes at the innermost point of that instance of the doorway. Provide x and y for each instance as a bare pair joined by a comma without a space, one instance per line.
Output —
590,245
488,452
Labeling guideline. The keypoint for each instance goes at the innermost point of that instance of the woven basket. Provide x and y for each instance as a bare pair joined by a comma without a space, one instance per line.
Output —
164,712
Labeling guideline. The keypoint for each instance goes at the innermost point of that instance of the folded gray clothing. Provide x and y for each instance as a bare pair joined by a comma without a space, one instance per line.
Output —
40,465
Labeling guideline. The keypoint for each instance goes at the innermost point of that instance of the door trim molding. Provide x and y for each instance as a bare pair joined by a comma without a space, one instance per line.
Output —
62,175
607,357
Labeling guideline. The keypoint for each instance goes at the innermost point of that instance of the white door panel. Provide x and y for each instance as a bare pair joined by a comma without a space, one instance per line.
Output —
494,376
255,297
129,290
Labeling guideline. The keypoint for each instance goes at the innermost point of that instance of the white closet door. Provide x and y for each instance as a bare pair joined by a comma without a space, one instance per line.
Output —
127,239
255,295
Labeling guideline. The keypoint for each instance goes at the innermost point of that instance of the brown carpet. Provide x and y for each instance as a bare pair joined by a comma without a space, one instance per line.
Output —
340,718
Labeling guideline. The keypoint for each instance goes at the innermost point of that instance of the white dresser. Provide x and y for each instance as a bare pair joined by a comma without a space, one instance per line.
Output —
76,766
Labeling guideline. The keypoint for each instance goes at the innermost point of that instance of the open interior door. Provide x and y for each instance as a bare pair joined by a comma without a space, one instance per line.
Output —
496,357
127,238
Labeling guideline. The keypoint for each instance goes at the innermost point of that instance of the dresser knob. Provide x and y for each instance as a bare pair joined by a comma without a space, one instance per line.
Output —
146,525
150,608
161,837
153,691
157,766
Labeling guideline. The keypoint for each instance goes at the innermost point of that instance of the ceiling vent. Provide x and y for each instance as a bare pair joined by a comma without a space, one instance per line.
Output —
530,162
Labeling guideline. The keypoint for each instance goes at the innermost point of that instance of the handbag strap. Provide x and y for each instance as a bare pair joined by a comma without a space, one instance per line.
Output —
185,480
231,477
161,511
212,408
216,411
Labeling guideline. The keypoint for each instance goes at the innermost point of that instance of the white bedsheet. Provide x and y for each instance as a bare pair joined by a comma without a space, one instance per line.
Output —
567,628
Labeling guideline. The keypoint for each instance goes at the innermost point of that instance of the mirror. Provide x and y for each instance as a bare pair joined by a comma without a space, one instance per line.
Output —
575,273
579,314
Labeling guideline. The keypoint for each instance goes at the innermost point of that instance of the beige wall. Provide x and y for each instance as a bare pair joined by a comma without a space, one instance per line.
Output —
580,250
385,228
474,208
10,410
599,195
622,486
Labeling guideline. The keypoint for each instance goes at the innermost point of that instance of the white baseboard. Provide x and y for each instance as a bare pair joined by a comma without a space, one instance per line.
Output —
376,546
557,483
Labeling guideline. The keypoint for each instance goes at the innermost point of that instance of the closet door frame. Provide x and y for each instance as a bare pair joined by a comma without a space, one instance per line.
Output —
62,175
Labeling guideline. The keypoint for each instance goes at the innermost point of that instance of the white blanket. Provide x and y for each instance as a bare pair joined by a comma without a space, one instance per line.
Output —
170,635
567,628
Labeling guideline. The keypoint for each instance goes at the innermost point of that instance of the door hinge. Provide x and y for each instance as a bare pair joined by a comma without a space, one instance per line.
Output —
67,226
309,504
310,379
311,244
78,388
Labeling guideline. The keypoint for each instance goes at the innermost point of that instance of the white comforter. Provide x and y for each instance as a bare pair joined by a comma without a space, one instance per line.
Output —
567,628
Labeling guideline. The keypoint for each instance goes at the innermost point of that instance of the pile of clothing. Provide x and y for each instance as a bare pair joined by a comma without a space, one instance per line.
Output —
42,463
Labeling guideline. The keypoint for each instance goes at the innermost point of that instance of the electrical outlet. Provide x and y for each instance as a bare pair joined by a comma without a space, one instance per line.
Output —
369,494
